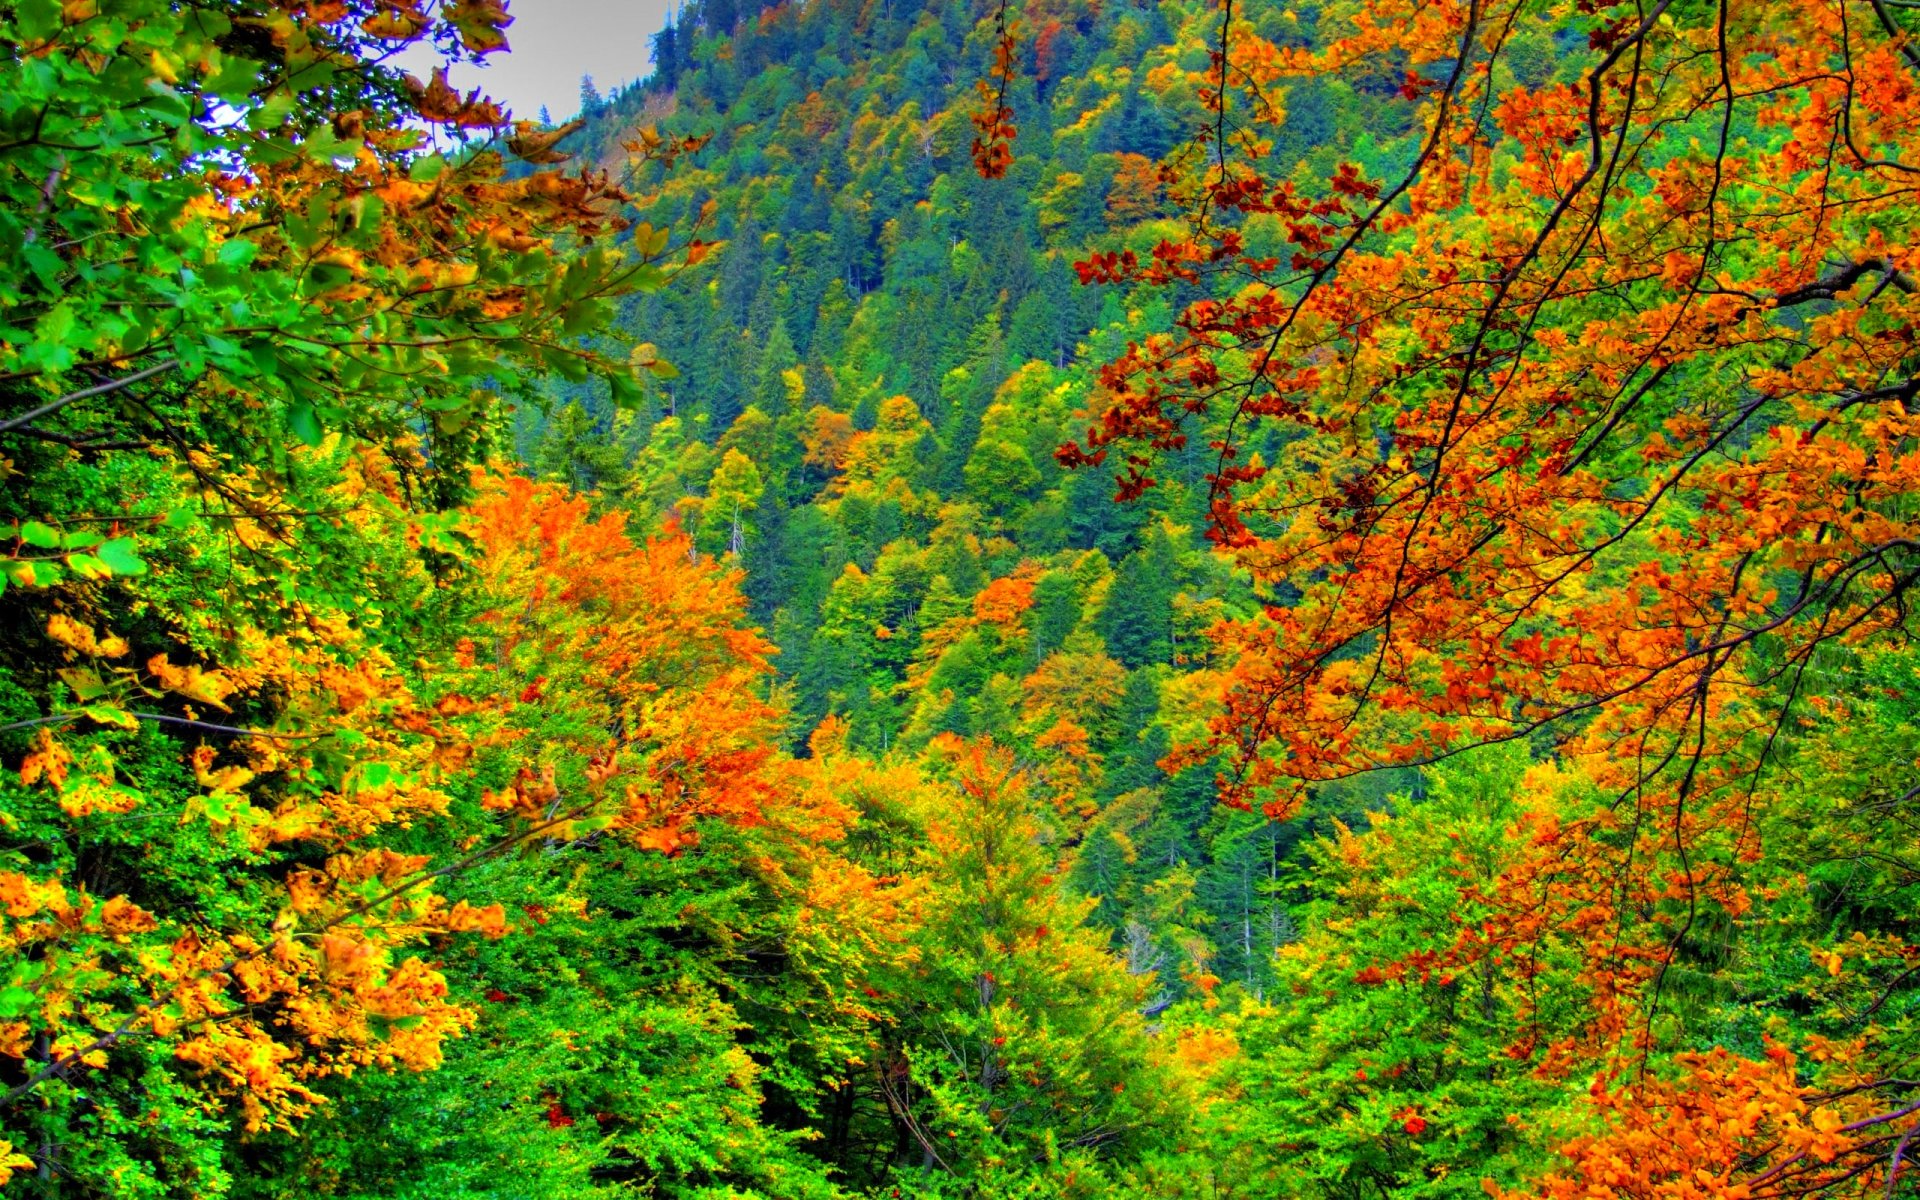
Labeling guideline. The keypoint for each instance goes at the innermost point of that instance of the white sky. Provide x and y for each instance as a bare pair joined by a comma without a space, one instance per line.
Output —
551,44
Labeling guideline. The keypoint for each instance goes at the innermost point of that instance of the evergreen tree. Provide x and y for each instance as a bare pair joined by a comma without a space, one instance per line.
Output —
575,449
666,56
1137,619
1029,1072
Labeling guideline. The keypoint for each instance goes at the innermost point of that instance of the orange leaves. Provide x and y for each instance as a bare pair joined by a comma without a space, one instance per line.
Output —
1003,600
827,438
1135,193
1727,1127
250,1064
527,797
48,760
641,645
1545,479
23,897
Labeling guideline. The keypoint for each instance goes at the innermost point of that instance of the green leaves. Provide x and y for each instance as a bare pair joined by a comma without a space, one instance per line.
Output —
108,714
36,533
81,553
304,423
118,556
646,357
288,318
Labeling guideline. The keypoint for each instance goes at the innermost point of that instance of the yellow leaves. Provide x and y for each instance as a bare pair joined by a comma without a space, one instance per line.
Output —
345,258
193,682
400,194
435,275
81,639
95,791
12,1160
218,781
49,760
395,22
482,24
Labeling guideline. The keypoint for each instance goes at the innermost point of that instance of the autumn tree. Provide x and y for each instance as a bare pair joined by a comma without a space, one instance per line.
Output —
266,293
1597,433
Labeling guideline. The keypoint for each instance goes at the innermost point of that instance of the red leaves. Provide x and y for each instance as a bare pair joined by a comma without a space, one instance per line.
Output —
1347,181
1107,267
993,124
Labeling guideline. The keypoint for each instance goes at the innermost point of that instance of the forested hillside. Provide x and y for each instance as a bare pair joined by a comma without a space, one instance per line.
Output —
873,376
1054,599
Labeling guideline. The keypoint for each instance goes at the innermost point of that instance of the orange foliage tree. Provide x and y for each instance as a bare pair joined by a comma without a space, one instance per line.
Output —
607,684
1593,426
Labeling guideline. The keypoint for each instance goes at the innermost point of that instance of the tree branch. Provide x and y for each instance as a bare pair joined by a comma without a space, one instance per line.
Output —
98,389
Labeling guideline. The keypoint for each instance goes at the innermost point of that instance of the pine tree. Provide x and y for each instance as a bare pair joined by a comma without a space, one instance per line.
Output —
666,56
1137,619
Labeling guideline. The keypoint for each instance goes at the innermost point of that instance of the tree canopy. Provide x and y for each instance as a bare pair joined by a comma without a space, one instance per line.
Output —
977,599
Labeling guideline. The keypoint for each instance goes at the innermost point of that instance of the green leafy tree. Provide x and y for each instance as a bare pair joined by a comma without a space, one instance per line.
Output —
732,495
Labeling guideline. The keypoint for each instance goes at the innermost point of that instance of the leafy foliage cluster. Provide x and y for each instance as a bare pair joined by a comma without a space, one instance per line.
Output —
1040,600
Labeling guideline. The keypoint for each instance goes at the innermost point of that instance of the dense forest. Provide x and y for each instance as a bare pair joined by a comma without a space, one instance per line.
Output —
997,598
